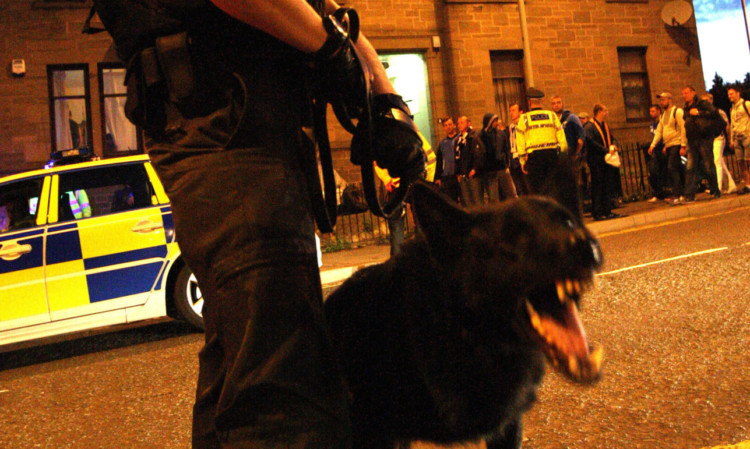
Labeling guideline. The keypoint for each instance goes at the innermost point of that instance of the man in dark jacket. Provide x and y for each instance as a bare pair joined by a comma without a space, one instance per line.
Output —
599,142
699,118
470,162
445,167
496,179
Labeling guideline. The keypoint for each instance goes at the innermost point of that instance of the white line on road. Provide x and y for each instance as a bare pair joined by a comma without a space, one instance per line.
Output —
684,256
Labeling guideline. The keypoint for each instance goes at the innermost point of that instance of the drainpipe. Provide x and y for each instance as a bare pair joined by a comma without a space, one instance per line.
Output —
528,73
744,16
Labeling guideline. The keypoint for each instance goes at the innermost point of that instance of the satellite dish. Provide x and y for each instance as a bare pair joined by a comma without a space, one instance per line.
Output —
676,13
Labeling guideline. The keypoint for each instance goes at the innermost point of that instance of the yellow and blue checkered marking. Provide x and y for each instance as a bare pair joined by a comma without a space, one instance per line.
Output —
22,292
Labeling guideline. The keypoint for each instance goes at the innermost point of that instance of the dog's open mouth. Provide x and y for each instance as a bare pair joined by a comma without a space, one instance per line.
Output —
561,334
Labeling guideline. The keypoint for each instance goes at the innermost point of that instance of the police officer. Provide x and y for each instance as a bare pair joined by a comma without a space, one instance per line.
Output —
540,139
224,132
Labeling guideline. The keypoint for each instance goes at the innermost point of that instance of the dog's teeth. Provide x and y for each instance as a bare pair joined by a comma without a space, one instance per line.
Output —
573,365
561,292
596,358
536,322
577,287
569,287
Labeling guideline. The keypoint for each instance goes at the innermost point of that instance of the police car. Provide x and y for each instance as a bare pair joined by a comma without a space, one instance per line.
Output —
88,245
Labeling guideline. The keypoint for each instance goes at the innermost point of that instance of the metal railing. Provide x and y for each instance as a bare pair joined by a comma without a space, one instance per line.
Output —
634,171
357,226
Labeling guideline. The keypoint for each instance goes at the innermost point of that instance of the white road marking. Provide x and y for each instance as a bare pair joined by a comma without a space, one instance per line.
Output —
656,262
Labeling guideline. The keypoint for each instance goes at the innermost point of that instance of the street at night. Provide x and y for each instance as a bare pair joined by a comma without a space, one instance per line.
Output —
669,308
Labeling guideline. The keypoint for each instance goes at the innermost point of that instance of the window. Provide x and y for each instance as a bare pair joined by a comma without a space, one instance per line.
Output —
19,203
119,136
408,73
69,106
102,191
509,81
635,87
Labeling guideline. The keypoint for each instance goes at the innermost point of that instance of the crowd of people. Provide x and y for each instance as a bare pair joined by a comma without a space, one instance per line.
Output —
503,161
703,135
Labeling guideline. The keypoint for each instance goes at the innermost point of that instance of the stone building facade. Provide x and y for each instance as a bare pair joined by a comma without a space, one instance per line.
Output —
616,52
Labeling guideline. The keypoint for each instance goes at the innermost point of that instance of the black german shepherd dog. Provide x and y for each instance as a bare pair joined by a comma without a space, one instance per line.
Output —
446,342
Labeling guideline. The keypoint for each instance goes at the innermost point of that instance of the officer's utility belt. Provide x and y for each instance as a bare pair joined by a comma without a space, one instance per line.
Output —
542,147
165,72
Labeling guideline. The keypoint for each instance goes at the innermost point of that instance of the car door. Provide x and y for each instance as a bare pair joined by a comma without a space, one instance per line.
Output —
107,246
23,211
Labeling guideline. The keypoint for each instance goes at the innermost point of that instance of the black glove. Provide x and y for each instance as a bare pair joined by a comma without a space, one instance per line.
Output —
342,76
396,144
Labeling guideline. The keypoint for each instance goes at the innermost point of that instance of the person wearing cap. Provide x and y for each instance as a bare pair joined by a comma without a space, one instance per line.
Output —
496,178
656,160
671,132
540,139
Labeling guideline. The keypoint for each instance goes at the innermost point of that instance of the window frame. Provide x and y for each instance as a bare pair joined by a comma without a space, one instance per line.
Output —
12,188
497,57
100,68
80,176
646,85
51,69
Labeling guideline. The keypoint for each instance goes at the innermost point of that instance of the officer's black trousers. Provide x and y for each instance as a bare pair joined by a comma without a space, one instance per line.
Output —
539,166
601,194
268,377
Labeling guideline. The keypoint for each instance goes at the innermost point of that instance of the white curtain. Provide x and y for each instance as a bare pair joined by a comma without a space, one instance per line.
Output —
124,135
63,136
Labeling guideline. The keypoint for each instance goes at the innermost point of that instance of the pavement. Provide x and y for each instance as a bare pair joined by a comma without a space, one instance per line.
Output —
338,266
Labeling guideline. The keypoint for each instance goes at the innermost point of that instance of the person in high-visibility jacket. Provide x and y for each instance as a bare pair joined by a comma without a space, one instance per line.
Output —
540,139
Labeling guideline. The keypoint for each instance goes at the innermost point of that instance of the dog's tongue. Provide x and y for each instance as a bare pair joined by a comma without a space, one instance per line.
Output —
565,343
573,338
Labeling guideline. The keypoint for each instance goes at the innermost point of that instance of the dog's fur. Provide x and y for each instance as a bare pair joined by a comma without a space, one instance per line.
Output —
436,343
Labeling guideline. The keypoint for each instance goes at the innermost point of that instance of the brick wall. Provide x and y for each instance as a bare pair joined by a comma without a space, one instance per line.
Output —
573,45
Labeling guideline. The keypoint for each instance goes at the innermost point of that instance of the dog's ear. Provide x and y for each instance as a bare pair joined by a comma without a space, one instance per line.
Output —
562,186
441,219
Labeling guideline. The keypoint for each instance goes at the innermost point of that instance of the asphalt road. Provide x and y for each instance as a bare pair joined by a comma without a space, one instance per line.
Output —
671,308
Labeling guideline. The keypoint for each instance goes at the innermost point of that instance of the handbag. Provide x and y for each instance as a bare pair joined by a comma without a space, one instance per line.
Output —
613,159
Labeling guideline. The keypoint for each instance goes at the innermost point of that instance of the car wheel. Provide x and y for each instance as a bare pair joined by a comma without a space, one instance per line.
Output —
188,300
